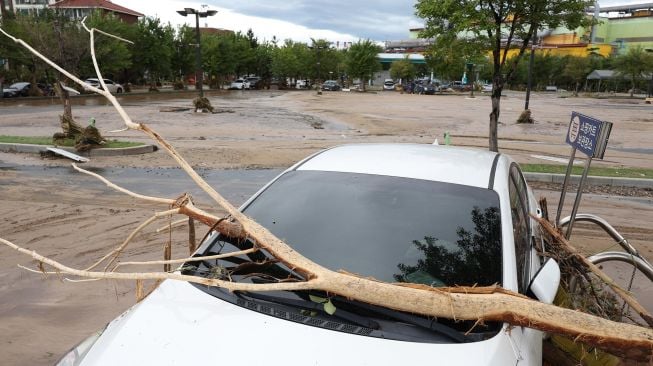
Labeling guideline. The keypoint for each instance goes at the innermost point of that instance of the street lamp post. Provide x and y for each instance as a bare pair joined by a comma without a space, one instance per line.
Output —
199,72
530,75
650,84
317,49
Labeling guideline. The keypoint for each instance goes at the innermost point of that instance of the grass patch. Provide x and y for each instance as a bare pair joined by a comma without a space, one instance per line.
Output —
40,140
595,171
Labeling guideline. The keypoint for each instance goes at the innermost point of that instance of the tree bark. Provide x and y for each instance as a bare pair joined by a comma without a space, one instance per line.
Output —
494,116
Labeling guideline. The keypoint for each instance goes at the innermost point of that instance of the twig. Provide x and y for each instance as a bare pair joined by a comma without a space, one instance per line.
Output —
191,259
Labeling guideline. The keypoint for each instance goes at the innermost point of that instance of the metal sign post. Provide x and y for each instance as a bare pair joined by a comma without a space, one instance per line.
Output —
590,136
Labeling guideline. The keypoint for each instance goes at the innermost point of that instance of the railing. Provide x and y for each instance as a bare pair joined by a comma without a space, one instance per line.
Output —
631,255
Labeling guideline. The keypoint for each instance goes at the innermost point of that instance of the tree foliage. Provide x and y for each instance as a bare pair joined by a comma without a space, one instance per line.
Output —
361,61
634,64
402,69
152,51
498,26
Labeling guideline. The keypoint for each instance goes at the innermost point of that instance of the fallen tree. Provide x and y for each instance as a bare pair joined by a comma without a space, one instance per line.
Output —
458,303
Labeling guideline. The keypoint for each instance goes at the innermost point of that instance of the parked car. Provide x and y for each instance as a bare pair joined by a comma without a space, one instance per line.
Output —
112,86
486,88
22,89
302,84
253,82
331,85
428,89
393,212
388,84
8,92
239,84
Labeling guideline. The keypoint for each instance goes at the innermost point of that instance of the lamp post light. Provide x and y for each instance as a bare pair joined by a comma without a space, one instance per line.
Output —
199,72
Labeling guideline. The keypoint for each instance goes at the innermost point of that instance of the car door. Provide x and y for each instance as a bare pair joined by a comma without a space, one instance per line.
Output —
528,342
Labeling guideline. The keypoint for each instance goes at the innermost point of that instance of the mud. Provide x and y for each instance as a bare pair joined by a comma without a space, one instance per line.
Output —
74,218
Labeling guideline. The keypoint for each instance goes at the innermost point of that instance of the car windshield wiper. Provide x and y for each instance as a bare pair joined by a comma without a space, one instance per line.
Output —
431,324
310,305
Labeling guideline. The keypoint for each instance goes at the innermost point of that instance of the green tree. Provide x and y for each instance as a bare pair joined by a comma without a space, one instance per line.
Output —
633,65
449,54
152,50
362,61
183,56
497,24
402,69
292,60
114,56
577,69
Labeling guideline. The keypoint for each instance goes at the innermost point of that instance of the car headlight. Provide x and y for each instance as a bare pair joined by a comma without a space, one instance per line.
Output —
76,355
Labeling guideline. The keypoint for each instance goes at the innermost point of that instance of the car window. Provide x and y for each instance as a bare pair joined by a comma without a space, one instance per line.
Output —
388,228
520,225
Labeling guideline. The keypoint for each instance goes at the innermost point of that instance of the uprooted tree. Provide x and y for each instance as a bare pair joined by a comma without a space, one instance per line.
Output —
459,303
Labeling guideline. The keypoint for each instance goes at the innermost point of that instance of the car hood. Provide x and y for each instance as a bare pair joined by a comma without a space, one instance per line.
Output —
180,324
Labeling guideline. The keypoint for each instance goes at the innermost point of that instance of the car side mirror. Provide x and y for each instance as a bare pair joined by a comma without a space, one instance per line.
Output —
544,284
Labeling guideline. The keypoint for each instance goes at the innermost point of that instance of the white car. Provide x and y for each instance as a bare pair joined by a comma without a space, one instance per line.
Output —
112,86
388,84
239,84
434,215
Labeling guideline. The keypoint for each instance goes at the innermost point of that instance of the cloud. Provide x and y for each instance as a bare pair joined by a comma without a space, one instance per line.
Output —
300,20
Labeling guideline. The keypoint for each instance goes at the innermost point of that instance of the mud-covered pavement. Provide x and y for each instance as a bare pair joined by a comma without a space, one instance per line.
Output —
74,218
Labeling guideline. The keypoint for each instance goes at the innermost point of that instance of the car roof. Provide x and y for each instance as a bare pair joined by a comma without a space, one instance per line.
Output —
466,166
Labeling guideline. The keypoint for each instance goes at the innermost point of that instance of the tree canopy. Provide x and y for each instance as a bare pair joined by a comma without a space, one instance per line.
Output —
499,26
635,64
361,61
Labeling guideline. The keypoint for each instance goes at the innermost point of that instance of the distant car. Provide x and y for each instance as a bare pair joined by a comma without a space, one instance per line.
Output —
388,84
302,84
239,84
112,86
428,89
8,92
419,222
20,89
253,82
331,85
486,88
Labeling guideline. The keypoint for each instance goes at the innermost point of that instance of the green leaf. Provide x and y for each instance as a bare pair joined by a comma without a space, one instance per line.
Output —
329,308
317,299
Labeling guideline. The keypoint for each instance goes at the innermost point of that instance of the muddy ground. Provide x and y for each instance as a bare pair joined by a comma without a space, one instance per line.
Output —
75,219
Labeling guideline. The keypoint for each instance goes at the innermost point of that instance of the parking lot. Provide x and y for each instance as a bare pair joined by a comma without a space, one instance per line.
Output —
52,210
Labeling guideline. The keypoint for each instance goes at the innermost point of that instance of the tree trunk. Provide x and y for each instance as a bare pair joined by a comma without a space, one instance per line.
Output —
3,10
494,116
64,96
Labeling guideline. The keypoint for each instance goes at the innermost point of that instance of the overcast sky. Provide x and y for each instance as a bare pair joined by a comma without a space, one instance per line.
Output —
301,20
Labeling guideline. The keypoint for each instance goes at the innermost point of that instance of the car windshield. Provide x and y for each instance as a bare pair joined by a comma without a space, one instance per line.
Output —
389,228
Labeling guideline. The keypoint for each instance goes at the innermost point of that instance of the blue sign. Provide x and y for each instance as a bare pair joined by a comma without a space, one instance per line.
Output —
588,135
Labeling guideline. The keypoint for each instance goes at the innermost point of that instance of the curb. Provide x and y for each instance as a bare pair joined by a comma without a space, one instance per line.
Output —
593,180
137,150
36,149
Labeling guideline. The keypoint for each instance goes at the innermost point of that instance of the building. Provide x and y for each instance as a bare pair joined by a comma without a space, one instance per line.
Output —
78,9
618,29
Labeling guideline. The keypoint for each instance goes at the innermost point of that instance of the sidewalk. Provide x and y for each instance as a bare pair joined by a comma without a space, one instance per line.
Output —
37,149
